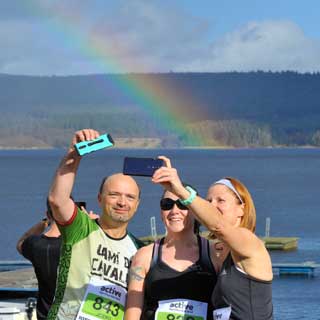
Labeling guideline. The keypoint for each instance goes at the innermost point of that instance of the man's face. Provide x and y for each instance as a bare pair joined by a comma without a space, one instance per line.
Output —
119,199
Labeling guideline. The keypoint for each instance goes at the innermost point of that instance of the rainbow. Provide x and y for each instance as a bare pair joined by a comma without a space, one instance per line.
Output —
153,97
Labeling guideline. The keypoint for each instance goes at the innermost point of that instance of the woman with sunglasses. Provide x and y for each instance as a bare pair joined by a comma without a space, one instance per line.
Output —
243,289
174,276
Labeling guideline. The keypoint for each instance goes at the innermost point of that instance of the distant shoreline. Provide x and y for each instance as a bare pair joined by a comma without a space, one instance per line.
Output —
165,148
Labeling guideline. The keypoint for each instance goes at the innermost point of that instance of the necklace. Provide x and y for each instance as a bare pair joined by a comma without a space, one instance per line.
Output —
219,248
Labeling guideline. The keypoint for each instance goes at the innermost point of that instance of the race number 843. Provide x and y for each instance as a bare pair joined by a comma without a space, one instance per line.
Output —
103,308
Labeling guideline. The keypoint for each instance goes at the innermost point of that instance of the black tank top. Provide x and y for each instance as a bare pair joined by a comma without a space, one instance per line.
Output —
249,298
163,283
44,254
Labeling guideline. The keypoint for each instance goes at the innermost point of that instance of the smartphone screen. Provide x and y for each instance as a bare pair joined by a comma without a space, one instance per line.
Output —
141,166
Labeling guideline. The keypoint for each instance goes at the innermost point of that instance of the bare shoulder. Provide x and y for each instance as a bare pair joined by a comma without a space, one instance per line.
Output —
140,264
247,236
255,240
143,256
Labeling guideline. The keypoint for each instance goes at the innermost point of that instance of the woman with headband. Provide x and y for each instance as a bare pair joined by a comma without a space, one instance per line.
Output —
173,278
243,289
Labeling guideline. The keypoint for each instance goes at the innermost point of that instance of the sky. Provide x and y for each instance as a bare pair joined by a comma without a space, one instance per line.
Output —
72,37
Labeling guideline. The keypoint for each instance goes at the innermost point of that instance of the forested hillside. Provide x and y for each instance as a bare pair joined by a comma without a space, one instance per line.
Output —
225,109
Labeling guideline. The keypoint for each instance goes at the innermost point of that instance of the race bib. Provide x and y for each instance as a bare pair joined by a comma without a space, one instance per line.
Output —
222,313
103,300
181,309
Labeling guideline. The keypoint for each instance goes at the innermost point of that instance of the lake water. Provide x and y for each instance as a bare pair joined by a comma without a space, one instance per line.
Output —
284,184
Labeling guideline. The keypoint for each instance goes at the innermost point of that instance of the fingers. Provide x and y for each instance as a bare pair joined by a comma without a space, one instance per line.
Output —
86,134
93,215
167,161
164,174
84,209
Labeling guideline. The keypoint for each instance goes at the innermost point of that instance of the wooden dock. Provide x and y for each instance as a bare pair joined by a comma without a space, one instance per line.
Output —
295,269
280,243
21,278
271,243
24,281
18,290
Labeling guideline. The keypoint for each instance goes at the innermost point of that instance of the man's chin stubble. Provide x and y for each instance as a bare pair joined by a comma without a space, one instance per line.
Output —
120,217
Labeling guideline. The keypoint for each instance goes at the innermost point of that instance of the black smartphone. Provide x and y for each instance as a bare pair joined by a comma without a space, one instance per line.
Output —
141,166
80,204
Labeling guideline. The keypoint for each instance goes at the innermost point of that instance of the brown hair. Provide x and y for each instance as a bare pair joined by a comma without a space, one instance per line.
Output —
249,217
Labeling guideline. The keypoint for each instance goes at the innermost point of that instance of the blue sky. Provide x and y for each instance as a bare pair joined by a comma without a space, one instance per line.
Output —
230,14
46,37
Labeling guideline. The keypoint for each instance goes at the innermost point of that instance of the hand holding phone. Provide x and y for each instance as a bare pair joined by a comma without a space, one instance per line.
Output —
103,141
141,166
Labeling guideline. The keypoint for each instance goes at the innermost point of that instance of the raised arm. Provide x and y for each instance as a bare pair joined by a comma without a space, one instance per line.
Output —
139,268
169,178
63,181
240,240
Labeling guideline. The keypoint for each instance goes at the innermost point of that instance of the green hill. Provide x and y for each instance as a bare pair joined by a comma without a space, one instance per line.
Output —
226,109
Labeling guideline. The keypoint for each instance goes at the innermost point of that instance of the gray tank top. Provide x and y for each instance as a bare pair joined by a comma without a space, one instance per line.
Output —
249,298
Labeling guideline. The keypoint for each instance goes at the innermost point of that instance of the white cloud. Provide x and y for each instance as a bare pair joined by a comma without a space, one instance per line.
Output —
145,36
139,35
268,45
149,36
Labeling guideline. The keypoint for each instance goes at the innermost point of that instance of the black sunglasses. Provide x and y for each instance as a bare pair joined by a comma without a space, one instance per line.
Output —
167,204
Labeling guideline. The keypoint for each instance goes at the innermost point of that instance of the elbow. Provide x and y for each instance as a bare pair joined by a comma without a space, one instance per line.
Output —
55,202
52,200
61,207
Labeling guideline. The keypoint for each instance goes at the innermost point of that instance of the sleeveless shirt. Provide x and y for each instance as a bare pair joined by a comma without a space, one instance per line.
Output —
249,298
163,282
44,253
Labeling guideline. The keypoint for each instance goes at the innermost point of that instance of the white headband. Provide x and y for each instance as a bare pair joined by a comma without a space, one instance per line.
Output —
230,186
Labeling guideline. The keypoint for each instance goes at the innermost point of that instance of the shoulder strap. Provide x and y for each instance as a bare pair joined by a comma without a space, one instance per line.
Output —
155,253
205,254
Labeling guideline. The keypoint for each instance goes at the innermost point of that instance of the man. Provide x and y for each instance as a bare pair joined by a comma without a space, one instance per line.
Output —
95,255
43,250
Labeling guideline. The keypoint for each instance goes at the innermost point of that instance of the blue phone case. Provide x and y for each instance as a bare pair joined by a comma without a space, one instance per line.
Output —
141,166
103,141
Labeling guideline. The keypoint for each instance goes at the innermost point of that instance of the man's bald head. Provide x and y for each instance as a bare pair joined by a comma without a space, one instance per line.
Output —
119,177
119,198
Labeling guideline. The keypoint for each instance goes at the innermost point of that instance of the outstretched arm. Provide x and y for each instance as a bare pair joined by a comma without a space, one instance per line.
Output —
62,185
240,240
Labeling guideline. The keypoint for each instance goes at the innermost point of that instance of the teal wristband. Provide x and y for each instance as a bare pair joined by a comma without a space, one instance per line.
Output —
191,197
